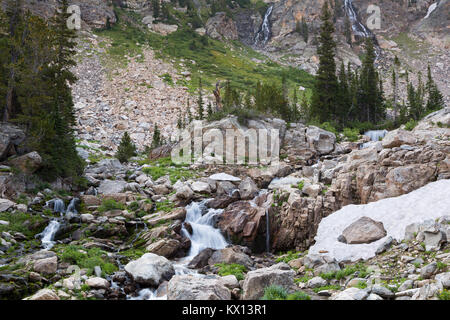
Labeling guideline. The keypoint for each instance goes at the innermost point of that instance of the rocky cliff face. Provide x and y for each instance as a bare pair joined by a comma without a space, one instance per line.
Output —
94,13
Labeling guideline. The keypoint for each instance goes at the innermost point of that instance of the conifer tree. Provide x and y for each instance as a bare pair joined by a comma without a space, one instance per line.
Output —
200,109
156,8
156,142
126,149
435,99
210,109
189,113
370,99
14,15
323,105
344,100
348,30
394,89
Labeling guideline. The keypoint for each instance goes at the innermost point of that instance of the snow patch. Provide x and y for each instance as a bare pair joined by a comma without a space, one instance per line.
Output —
429,202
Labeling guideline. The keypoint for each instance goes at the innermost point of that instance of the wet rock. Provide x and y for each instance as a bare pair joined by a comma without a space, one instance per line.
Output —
248,189
164,247
201,259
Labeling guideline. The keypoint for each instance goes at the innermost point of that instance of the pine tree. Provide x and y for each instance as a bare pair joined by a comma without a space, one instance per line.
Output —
370,99
304,30
156,142
228,95
348,30
323,105
435,99
395,89
210,110
344,100
14,13
189,113
126,149
156,8
200,109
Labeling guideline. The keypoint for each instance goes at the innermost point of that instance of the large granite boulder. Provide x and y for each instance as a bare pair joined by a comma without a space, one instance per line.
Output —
363,230
191,287
150,269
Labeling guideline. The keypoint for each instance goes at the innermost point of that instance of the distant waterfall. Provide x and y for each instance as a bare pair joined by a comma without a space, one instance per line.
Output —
359,28
431,8
264,33
57,205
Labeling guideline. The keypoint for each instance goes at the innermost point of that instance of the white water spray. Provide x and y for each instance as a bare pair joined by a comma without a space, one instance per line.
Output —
204,235
264,33
430,10
49,234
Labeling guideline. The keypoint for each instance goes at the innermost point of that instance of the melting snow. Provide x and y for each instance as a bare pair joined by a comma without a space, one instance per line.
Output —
429,202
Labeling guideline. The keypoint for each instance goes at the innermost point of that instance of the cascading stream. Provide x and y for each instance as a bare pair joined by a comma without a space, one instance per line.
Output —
204,235
49,234
264,33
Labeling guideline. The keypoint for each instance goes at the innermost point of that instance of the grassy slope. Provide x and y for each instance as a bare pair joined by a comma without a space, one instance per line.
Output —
211,59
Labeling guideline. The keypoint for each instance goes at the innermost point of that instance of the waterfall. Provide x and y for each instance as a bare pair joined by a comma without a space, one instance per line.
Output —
264,33
48,234
204,235
359,28
58,205
431,8
72,205
376,135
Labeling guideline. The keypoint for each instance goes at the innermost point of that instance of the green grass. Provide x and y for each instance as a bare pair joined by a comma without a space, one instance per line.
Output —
235,269
164,205
288,256
444,295
330,287
350,270
86,258
351,134
213,60
165,166
110,204
23,223
411,124
275,292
